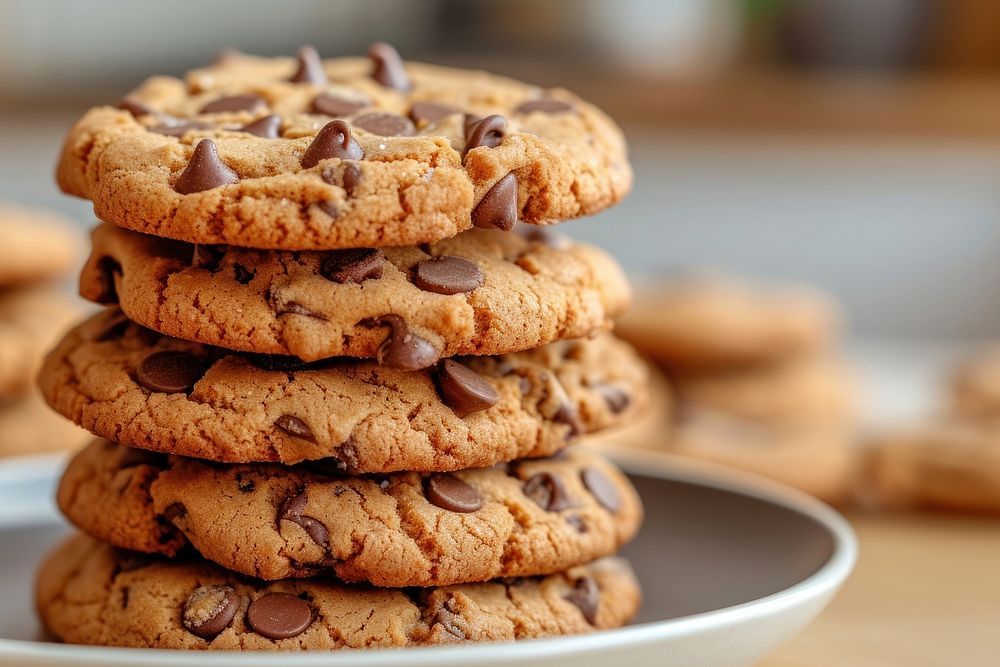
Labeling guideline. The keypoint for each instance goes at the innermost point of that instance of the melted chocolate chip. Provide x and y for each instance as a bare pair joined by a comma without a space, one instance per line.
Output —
180,129
333,105
335,140
279,615
545,105
353,266
463,390
330,208
204,171
587,596
134,107
616,398
488,132
403,349
210,609
170,371
292,510
246,102
351,178
310,68
429,113
242,274
601,488
447,275
388,67
268,127
498,207
294,426
450,493
385,124
548,491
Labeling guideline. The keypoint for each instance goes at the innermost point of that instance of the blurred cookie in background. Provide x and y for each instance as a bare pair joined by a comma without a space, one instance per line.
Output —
28,426
952,465
974,392
706,321
35,246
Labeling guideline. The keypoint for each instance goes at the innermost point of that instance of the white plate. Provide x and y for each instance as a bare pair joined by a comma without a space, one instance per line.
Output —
731,566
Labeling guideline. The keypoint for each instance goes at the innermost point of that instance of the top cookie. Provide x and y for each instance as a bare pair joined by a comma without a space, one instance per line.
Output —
275,153
704,322
34,246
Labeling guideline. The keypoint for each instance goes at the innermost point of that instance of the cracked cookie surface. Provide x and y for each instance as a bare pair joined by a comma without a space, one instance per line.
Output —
416,171
91,593
128,384
270,521
483,292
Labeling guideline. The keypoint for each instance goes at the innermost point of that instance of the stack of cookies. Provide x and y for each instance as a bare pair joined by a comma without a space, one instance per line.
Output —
37,251
757,375
334,385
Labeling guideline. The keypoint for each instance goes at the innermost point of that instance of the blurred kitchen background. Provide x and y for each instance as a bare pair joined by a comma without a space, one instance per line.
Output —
848,143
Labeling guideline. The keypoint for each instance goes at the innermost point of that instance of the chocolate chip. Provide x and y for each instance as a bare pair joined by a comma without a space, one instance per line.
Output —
330,208
565,411
292,510
245,485
498,207
450,493
246,102
134,107
242,274
310,68
353,266
587,596
463,390
616,398
132,457
267,127
577,523
294,426
210,610
333,105
388,67
488,132
428,113
279,615
107,268
545,105
447,275
351,178
601,488
333,141
385,124
170,371
551,239
548,491
204,171
114,328
403,349
180,129
207,256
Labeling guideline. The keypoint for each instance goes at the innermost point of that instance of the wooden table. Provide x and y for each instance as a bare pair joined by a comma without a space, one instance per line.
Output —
926,592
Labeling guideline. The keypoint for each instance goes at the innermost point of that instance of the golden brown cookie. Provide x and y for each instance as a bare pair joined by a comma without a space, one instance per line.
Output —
952,465
91,593
275,522
28,426
975,386
704,322
252,152
483,292
128,384
35,245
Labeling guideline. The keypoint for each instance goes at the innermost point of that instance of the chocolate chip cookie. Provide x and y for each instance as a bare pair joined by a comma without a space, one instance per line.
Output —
35,246
28,426
276,522
91,593
303,154
483,292
128,384
705,322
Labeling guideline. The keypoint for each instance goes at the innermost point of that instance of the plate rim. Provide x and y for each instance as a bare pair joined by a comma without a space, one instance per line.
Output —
824,581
